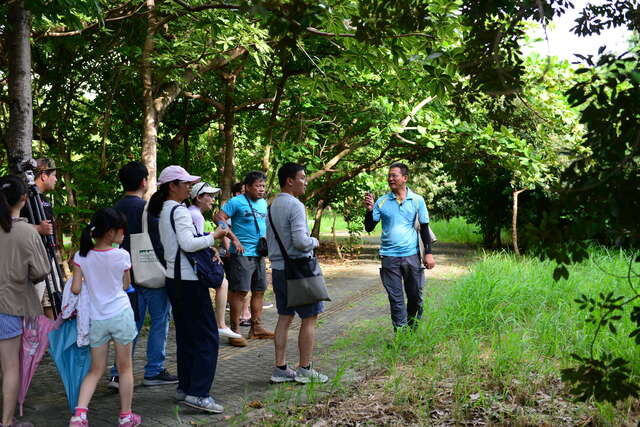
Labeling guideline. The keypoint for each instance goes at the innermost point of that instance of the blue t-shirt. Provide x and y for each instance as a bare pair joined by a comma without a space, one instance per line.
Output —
399,237
242,224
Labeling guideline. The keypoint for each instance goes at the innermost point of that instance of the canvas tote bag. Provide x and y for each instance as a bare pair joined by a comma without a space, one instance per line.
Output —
147,270
305,282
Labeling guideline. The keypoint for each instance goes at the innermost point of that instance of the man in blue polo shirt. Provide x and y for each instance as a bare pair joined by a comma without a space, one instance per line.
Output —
399,246
246,271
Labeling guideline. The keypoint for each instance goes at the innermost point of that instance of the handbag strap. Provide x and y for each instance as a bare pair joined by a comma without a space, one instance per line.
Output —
255,221
177,271
145,217
177,263
275,234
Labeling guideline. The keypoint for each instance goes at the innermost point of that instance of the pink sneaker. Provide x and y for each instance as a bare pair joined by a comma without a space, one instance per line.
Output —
131,420
78,422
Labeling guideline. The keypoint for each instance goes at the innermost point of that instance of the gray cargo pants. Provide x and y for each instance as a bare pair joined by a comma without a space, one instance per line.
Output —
398,274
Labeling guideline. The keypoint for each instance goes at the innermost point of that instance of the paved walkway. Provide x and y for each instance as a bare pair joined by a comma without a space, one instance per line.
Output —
242,373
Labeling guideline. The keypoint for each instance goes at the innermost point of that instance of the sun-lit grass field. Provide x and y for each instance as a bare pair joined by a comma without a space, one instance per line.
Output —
456,230
491,347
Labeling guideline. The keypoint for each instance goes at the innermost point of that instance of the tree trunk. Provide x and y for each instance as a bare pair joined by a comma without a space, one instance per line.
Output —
273,119
20,130
185,138
229,171
106,126
335,239
150,113
514,222
318,219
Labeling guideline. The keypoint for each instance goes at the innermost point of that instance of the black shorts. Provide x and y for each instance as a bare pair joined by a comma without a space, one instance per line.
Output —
246,273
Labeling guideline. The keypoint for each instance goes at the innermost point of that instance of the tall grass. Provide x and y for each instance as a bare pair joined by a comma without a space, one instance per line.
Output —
503,331
456,230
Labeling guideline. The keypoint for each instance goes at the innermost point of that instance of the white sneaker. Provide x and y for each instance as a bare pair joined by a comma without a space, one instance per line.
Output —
226,332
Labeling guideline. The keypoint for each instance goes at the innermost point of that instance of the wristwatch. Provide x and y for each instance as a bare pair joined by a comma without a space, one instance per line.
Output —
223,225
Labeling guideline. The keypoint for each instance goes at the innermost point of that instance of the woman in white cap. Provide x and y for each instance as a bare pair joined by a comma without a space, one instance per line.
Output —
197,338
201,202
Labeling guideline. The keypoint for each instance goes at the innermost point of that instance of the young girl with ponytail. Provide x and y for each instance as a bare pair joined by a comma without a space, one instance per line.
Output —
23,262
105,270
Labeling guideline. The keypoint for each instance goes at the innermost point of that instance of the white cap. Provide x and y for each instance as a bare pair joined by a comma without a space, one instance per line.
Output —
203,188
174,172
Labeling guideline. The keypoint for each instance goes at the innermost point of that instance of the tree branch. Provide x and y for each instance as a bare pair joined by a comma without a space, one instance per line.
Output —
410,117
253,104
206,6
63,32
218,106
171,91
317,32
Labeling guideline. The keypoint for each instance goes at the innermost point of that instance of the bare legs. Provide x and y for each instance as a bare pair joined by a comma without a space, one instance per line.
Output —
305,339
221,303
98,365
280,340
10,360
236,299
125,369
246,314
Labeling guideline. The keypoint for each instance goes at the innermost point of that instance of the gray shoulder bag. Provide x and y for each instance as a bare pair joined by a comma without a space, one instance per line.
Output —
305,282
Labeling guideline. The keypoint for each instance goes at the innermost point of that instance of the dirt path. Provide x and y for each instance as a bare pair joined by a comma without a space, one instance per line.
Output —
242,374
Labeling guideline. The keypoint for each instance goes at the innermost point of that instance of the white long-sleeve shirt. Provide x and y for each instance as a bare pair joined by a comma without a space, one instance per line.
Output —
184,235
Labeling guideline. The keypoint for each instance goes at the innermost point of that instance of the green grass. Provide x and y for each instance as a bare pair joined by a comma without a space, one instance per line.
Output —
456,230
493,344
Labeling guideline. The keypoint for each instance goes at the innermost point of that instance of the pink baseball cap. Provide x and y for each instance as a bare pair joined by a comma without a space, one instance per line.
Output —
174,172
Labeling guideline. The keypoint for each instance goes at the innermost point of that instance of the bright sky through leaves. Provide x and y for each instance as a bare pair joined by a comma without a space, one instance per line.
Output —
563,43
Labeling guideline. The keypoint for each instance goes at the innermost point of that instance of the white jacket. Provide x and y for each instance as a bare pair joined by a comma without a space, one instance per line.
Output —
185,235
80,306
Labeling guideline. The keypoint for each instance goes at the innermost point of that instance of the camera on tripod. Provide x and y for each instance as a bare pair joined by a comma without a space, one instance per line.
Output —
54,283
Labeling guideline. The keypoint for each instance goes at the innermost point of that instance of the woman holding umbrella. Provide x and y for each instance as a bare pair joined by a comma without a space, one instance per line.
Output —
23,261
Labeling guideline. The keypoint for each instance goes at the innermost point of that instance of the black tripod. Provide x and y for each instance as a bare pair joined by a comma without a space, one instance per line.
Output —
54,282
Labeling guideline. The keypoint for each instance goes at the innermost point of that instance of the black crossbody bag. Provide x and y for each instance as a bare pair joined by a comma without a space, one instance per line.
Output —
261,248
210,273
305,282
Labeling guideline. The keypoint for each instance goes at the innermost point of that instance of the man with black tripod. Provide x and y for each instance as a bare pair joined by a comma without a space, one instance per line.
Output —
45,181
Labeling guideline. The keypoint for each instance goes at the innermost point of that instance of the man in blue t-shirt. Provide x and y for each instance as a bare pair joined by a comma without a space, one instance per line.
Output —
246,271
399,246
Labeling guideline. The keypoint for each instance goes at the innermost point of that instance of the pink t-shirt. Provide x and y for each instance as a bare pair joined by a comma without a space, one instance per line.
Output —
103,271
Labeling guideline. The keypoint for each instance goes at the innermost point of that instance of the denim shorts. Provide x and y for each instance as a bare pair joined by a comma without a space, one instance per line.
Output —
10,326
280,290
121,328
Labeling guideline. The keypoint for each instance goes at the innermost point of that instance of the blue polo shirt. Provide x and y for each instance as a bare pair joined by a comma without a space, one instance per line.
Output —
399,238
242,224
